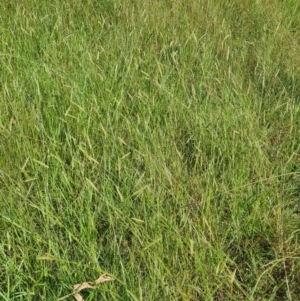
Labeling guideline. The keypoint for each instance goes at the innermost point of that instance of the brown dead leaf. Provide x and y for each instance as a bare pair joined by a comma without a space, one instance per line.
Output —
78,297
81,286
103,278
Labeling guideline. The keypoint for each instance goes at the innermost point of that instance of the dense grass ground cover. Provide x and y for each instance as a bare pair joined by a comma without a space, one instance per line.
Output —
157,142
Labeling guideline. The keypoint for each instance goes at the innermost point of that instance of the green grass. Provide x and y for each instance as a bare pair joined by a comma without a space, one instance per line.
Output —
154,141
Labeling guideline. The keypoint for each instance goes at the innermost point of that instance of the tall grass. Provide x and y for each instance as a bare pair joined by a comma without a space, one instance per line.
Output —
154,141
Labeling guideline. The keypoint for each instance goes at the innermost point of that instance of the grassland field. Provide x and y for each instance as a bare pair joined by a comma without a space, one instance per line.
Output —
156,142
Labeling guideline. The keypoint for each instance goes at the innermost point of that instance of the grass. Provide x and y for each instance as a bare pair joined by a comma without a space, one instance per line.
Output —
153,141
